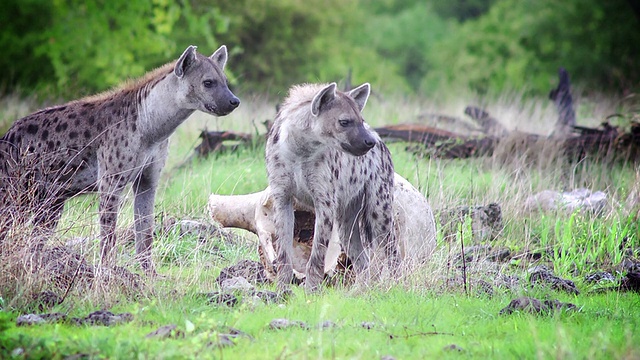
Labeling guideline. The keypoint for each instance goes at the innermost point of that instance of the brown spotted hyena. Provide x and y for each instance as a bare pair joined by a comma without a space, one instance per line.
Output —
321,154
103,142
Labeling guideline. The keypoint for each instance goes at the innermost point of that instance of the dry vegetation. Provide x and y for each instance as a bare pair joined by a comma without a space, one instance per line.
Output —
571,244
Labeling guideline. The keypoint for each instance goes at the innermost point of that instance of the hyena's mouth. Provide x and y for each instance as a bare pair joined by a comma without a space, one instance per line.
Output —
211,108
356,151
217,111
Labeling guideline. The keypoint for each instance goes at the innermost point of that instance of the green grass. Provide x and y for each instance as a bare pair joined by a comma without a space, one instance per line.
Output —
415,319
406,324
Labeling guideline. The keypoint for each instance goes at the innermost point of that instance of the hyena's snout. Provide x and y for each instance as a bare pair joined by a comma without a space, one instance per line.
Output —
229,103
361,142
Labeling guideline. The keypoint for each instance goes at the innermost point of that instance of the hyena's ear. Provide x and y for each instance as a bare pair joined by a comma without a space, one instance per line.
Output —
360,95
322,98
220,57
187,58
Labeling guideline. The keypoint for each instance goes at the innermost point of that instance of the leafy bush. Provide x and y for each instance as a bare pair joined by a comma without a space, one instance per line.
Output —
521,44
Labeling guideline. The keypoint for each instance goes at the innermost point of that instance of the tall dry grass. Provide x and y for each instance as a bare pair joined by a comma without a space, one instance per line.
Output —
190,264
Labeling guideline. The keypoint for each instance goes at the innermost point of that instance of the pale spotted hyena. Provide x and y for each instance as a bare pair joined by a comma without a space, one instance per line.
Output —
322,154
103,142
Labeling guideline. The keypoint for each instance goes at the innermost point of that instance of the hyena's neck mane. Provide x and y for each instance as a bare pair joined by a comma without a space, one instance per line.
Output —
296,133
159,111
147,80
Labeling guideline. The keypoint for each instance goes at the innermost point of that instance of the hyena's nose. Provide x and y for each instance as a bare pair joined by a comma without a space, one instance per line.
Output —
369,143
234,102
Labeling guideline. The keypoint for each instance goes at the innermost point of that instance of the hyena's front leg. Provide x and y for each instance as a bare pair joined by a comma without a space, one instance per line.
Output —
284,221
322,235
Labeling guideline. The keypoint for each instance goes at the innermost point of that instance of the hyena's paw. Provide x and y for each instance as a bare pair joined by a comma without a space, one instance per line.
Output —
284,276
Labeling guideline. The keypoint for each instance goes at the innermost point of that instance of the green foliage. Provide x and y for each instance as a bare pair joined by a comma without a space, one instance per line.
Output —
521,44
74,47
462,9
22,23
406,36
96,44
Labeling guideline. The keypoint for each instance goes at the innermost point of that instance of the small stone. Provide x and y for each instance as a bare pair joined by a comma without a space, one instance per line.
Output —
597,277
328,324
453,347
36,319
252,271
225,340
218,298
279,324
267,296
236,283
368,325
29,319
542,275
535,306
164,332
103,317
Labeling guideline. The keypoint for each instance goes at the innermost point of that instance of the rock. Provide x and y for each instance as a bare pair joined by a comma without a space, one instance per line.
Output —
269,297
511,282
486,221
328,324
219,298
236,284
368,325
29,319
542,275
104,318
387,357
453,347
582,200
535,306
251,271
631,282
165,332
279,324
599,276
36,319
225,340
482,287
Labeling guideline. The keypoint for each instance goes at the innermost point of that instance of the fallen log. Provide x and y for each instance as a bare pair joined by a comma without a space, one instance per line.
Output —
213,141
413,217
416,133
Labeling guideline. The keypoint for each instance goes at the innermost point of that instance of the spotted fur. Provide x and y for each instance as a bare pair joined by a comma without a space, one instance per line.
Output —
322,154
106,141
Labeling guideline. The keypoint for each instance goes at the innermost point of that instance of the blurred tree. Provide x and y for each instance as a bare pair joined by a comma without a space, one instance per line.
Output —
22,23
521,44
83,46
461,10
406,36
80,46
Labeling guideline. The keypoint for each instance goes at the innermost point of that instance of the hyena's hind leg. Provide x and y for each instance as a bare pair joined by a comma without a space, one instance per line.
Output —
377,224
144,188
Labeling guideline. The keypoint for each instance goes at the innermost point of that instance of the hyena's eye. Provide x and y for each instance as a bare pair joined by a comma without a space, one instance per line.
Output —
210,83
345,123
